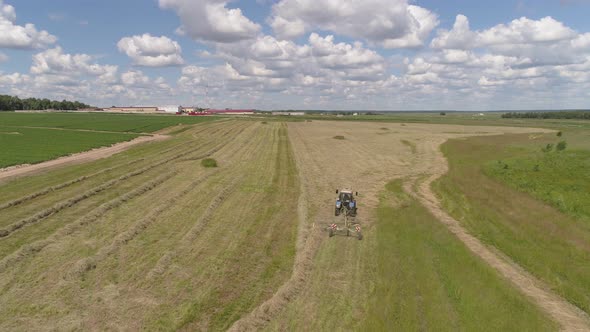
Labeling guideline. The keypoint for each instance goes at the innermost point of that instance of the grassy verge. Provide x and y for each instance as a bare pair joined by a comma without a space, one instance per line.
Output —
29,146
553,245
427,280
557,178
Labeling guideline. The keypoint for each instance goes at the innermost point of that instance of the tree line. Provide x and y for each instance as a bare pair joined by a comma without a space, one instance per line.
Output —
548,115
12,103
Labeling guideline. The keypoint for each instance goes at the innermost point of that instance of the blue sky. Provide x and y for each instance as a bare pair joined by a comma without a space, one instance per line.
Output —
306,54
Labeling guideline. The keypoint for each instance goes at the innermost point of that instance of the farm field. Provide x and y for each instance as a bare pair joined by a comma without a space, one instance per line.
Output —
30,138
531,205
34,145
134,123
151,239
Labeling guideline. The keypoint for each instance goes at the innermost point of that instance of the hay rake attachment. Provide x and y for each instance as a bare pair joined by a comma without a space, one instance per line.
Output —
350,227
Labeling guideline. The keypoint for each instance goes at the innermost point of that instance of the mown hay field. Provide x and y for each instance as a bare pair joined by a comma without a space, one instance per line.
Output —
152,239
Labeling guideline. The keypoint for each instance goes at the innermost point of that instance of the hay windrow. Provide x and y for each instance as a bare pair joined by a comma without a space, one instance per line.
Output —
48,190
86,264
192,234
94,215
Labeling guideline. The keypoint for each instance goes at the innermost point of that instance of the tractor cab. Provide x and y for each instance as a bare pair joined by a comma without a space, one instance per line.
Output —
346,202
345,197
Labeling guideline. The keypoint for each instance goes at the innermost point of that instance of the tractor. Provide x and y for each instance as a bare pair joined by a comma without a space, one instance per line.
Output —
345,203
347,208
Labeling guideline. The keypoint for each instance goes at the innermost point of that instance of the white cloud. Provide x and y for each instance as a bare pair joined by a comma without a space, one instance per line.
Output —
211,20
3,57
135,78
55,61
518,32
13,79
16,36
147,50
389,23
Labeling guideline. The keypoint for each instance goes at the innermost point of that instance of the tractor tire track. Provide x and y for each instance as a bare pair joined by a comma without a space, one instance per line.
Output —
567,315
94,215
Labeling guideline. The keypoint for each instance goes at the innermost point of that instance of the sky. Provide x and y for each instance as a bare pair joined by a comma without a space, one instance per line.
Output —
300,54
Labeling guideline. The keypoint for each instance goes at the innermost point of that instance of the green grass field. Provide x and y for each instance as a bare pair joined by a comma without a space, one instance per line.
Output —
28,138
553,177
34,145
538,216
427,280
96,121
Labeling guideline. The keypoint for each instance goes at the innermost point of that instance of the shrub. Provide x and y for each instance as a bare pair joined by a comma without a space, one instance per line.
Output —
338,137
209,162
561,146
547,148
559,133
443,113
264,122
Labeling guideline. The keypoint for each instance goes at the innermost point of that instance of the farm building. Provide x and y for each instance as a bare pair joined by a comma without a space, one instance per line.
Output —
289,113
133,109
231,112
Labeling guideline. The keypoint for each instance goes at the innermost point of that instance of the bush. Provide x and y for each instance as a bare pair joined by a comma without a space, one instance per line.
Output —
209,162
443,113
547,148
264,122
559,133
338,137
561,146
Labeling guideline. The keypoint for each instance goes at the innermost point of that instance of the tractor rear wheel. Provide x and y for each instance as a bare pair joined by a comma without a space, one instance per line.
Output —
359,236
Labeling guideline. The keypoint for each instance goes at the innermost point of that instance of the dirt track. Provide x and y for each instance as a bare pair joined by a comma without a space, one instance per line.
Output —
567,315
369,157
77,158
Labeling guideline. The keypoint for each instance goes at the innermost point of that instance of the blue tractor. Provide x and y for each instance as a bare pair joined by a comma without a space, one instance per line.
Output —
346,204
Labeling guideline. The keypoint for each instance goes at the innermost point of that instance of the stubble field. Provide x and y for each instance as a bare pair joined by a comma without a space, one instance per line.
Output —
150,239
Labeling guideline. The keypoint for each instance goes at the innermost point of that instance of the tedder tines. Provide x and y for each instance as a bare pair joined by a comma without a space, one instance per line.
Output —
346,208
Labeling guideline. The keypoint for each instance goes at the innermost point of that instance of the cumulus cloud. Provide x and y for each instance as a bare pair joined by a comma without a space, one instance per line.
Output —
212,20
519,31
389,23
147,50
55,61
16,36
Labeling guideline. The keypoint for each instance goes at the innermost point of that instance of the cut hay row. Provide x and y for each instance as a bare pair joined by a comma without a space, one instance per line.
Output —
48,190
94,191
35,247
215,149
198,226
86,264
308,243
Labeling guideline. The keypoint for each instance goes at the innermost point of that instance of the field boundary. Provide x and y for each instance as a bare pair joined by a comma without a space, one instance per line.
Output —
77,158
567,315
